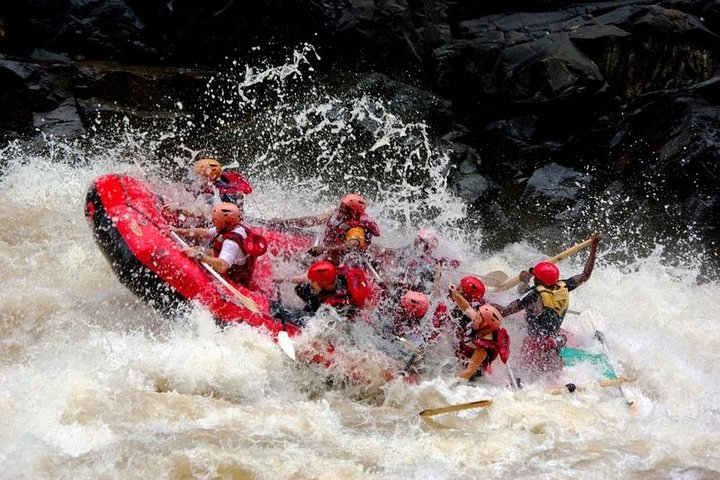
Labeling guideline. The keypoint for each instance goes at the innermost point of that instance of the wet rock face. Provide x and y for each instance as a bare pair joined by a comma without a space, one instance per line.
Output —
622,94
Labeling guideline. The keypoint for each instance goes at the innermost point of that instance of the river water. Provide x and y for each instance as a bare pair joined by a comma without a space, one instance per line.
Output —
95,384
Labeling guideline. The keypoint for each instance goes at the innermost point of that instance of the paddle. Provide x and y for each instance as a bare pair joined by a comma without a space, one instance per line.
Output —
246,302
560,256
455,408
491,279
514,381
409,345
417,353
626,394
494,279
284,341
571,387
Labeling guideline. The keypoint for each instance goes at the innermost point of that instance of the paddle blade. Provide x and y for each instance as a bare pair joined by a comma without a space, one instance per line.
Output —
495,278
286,344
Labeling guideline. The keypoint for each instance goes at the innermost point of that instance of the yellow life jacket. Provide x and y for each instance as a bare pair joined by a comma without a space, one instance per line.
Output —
358,234
556,298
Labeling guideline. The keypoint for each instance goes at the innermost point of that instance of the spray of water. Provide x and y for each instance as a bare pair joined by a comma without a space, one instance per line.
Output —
95,383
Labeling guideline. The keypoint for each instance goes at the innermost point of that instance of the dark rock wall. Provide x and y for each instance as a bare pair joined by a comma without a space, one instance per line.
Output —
620,96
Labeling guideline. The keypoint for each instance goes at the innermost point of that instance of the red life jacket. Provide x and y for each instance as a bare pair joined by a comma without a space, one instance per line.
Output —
498,345
232,183
336,229
351,289
252,245
231,187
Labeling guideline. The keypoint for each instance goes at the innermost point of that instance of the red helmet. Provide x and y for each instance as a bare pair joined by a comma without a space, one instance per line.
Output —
415,304
355,202
490,316
225,216
323,272
472,288
429,238
546,273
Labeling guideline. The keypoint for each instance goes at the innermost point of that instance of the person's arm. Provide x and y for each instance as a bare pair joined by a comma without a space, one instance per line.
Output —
309,296
524,285
302,222
230,254
192,232
513,307
461,302
217,264
590,262
221,264
519,304
336,251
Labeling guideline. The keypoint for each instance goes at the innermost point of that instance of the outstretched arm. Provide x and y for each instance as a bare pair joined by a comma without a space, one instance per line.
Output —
192,232
302,222
461,302
590,262
514,307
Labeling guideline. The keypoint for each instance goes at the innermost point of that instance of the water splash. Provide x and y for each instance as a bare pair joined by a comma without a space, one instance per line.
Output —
97,384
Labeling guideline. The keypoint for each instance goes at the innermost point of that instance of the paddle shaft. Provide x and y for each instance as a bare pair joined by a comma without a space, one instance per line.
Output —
560,256
624,392
455,408
282,228
611,382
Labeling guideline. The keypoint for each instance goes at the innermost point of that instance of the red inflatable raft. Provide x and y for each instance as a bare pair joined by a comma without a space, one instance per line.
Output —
135,238
125,218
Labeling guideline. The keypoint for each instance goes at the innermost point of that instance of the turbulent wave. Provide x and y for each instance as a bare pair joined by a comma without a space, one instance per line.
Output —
95,383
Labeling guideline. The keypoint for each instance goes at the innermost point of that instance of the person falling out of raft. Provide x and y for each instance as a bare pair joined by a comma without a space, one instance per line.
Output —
234,247
209,184
415,266
217,185
344,288
545,304
414,327
480,335
349,231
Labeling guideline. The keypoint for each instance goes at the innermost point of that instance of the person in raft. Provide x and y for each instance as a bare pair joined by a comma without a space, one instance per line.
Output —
344,288
209,184
545,304
215,184
480,335
234,248
415,267
348,228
